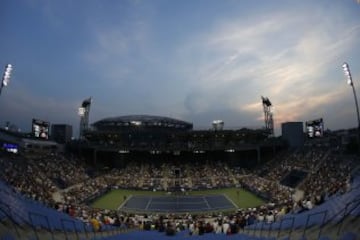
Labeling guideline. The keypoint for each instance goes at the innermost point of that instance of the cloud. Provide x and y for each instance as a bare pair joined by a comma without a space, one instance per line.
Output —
20,106
108,44
134,57
115,49
283,56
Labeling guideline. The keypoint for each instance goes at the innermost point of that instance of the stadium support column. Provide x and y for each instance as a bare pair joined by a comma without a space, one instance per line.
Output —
258,155
95,156
350,82
268,113
84,112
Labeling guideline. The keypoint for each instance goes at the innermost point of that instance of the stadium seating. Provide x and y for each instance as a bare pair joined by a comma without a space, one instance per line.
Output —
24,211
332,210
154,235
349,236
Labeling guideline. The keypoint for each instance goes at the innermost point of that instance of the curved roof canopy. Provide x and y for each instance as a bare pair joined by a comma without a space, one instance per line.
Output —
143,120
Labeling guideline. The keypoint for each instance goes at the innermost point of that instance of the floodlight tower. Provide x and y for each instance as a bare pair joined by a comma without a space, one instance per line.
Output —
268,113
6,76
84,111
350,82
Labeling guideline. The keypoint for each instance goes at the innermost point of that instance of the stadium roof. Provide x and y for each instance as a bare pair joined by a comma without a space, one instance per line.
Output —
148,120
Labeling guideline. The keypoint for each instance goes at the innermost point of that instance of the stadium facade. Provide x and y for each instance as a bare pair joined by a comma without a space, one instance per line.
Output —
156,137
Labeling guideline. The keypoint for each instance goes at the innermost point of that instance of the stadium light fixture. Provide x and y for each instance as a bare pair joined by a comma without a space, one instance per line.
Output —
347,73
136,123
123,151
81,111
230,150
350,82
6,76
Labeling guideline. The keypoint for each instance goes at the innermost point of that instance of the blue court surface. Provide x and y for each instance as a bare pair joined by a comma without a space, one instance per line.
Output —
177,204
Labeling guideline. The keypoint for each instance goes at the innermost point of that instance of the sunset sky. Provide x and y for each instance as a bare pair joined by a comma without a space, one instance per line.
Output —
193,60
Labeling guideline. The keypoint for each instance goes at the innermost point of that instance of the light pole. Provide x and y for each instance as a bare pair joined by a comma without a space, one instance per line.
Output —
6,77
351,83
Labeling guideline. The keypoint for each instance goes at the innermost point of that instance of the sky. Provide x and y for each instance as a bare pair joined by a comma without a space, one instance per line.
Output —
193,60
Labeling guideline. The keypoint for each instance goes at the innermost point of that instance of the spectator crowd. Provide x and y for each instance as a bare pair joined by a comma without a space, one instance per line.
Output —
63,183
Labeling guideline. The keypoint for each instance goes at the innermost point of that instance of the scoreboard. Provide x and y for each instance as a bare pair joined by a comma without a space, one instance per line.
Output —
315,128
40,129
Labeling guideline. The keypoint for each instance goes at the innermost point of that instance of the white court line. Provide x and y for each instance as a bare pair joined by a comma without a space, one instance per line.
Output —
155,201
207,203
148,204
127,199
231,201
182,203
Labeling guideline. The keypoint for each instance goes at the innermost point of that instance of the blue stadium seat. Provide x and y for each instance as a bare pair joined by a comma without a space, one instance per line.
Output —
334,208
27,211
303,238
154,235
8,237
324,238
349,236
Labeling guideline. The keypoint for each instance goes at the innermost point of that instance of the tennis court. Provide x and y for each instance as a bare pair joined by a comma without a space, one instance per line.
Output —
177,204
